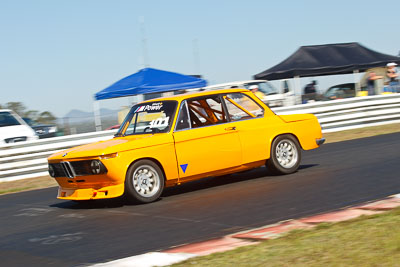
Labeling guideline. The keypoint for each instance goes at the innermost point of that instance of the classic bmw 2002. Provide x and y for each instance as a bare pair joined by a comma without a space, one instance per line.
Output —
171,140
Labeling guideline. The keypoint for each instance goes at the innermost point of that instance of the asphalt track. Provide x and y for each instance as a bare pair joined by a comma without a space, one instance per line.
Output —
39,230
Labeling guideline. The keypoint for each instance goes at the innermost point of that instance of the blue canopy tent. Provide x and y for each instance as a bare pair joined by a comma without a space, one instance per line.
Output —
146,81
150,80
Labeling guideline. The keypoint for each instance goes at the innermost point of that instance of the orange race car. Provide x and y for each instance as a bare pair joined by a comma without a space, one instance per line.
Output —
168,141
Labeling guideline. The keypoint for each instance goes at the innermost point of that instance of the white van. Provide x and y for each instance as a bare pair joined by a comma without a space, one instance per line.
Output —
14,129
272,97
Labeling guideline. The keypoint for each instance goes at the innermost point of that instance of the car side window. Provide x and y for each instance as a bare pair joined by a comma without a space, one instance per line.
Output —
206,111
183,118
242,107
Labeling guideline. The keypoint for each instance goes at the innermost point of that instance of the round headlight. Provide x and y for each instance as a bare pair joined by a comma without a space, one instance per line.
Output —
95,166
51,171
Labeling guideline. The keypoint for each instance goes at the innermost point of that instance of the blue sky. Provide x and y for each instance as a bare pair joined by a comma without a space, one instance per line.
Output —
54,55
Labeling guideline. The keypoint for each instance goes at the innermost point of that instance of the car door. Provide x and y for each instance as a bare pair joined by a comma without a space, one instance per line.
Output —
253,129
204,143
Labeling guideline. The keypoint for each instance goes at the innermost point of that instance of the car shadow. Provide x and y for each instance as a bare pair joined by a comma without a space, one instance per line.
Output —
201,184
209,182
306,166
91,204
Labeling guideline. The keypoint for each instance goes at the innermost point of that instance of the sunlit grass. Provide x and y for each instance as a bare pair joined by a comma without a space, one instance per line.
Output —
361,133
14,190
366,241
26,184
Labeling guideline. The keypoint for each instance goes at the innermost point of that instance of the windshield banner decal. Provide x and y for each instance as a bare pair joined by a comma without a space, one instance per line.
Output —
153,107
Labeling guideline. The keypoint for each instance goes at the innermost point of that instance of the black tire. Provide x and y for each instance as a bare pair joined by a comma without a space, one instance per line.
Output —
285,155
144,182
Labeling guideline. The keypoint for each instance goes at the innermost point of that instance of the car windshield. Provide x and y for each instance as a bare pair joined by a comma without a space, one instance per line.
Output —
30,122
151,117
7,119
264,87
340,90
332,91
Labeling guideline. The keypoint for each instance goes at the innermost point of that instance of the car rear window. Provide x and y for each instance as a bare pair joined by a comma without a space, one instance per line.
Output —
241,107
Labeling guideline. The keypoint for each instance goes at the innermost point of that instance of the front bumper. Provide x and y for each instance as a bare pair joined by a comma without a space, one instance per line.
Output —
90,193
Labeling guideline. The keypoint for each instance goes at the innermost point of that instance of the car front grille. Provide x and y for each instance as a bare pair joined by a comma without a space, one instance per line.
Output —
73,168
82,167
58,170
68,170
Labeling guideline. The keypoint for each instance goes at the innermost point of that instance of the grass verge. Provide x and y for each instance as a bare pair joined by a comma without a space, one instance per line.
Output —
361,133
366,241
47,181
26,184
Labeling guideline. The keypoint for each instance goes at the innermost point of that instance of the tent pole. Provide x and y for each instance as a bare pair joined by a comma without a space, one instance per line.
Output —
97,118
297,90
356,82
144,43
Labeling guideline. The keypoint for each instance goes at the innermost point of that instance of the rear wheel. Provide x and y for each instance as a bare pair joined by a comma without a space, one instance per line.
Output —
144,181
285,155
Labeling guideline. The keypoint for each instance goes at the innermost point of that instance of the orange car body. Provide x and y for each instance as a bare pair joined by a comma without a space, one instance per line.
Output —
216,141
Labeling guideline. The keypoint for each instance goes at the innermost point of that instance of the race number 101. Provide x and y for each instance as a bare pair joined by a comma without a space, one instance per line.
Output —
160,122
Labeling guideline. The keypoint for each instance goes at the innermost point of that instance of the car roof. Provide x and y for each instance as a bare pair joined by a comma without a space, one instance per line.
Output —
342,84
235,83
5,110
196,94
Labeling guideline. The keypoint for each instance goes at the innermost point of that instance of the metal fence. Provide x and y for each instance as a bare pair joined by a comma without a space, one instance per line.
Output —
29,159
351,113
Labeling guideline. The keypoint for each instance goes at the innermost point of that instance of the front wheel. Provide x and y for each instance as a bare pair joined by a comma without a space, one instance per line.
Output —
285,155
144,181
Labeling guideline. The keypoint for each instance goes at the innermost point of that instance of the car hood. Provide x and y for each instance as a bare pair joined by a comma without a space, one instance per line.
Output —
42,126
117,144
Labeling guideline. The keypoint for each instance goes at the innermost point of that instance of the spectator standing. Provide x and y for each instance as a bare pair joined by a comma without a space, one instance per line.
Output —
254,89
310,92
392,76
372,77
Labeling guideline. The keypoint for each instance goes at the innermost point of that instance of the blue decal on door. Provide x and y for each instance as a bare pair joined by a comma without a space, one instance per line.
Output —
184,167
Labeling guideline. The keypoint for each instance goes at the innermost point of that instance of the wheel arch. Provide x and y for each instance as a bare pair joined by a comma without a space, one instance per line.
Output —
272,163
147,158
290,134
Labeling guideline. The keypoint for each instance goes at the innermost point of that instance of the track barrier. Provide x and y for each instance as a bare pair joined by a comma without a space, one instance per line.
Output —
29,159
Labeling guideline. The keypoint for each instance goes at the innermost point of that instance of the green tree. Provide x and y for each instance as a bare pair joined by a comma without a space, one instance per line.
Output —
32,114
42,117
46,117
17,107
